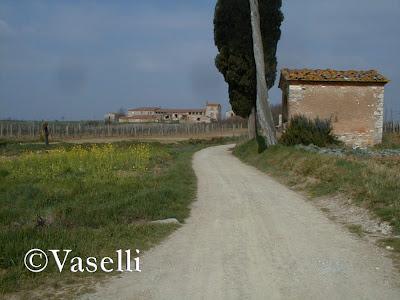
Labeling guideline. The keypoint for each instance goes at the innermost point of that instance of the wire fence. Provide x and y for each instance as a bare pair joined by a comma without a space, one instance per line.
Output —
392,127
77,130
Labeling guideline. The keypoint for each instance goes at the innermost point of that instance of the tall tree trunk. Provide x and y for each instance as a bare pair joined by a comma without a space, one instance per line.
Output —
265,122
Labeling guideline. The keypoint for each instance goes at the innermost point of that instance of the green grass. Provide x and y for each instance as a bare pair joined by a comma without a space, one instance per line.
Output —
93,199
356,229
11,147
394,243
390,141
371,183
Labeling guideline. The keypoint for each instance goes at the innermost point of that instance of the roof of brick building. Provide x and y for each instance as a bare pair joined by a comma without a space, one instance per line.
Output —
180,110
371,76
145,109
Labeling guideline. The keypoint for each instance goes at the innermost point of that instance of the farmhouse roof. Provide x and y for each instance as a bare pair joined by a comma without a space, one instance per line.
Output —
145,109
179,110
328,75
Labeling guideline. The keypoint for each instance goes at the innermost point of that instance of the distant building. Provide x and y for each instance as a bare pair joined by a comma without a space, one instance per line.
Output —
143,111
139,119
112,117
229,114
352,100
141,115
211,113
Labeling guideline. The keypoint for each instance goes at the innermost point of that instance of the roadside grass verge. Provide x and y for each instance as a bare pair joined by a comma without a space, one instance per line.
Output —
391,243
372,183
390,141
92,199
356,229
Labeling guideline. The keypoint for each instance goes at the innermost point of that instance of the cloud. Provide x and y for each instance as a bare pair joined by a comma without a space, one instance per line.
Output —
343,34
100,55
5,29
71,77
161,20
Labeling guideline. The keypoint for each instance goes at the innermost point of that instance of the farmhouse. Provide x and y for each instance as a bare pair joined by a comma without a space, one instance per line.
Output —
211,113
230,114
112,117
141,115
352,100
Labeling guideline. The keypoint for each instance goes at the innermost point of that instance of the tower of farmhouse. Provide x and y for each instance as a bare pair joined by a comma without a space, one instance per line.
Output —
213,111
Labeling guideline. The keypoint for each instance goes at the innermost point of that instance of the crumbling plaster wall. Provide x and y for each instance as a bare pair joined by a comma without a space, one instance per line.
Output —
356,111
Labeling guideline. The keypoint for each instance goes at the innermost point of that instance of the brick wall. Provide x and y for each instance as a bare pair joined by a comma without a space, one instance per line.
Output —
356,111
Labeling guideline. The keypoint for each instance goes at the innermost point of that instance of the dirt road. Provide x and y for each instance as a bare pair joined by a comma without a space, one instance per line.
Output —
250,237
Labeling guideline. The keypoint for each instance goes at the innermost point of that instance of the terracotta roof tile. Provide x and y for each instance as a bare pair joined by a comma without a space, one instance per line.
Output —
145,109
328,75
179,110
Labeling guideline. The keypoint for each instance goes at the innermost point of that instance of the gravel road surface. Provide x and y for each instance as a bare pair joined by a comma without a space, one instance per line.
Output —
250,237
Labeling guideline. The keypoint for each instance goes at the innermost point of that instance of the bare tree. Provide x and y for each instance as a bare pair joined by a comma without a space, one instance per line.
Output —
263,113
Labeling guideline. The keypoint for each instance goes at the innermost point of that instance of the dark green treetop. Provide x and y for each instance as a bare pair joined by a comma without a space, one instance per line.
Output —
233,38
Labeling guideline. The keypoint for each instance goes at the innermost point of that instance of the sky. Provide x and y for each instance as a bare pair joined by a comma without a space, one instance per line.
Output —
77,60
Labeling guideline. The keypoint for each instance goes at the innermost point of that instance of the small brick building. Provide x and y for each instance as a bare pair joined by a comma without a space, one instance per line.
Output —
352,100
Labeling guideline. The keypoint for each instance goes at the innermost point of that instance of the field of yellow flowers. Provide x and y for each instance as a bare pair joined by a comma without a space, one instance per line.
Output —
93,199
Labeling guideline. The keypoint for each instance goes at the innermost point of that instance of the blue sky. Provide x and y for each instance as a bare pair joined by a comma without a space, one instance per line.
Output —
80,59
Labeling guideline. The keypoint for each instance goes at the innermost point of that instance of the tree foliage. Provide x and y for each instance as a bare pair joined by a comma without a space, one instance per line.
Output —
233,38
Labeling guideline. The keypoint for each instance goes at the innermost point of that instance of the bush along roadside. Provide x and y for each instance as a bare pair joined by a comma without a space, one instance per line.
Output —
302,130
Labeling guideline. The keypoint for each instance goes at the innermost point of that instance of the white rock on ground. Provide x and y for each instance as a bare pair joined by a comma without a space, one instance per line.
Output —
166,221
